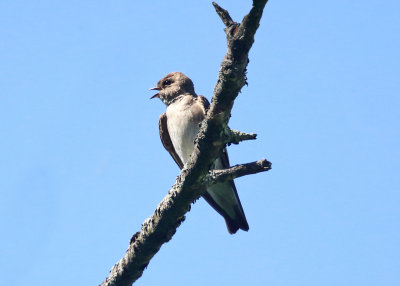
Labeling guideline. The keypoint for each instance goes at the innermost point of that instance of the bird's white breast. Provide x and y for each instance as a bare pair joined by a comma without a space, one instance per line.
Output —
183,123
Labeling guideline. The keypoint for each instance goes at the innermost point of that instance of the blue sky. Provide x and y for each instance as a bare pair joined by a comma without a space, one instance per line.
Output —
82,165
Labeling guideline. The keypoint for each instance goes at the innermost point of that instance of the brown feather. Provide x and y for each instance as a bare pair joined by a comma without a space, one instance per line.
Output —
237,218
166,140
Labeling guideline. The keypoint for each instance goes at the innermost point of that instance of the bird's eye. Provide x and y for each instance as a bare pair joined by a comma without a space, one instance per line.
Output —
166,82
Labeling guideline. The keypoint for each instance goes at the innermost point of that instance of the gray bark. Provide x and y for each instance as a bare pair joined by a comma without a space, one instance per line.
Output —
213,136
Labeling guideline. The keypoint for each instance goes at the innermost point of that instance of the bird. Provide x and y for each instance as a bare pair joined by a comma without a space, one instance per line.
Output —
178,128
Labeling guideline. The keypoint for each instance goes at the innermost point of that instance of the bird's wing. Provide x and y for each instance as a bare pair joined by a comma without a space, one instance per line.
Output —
231,203
224,197
166,140
204,103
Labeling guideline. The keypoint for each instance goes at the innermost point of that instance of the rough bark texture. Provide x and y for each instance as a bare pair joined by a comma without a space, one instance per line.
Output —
218,176
235,137
213,136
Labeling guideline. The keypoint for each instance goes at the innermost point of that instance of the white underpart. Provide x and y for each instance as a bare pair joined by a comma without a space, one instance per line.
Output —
183,127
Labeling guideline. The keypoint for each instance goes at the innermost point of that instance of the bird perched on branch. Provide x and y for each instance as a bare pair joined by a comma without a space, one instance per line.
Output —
178,128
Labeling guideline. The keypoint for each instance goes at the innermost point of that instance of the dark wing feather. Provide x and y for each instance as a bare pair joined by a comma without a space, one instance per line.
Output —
205,103
166,140
240,221
232,225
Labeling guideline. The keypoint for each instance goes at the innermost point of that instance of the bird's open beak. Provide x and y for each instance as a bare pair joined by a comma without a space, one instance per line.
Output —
156,95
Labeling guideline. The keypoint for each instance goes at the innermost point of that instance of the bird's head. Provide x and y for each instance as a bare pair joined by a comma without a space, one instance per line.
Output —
173,85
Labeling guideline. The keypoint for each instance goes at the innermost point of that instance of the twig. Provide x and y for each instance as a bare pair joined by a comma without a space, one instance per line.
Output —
219,176
223,14
235,137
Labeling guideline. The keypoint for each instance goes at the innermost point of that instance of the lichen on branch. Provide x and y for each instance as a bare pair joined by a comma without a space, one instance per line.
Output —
170,213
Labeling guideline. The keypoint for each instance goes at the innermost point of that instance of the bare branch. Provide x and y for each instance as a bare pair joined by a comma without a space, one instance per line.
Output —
170,213
224,15
219,176
235,137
